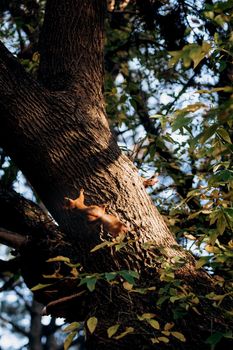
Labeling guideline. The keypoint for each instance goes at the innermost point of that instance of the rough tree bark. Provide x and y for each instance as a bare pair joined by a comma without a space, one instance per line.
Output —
56,131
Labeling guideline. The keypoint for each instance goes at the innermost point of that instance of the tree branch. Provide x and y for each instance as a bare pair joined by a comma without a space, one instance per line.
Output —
15,326
71,45
21,214
15,82
12,239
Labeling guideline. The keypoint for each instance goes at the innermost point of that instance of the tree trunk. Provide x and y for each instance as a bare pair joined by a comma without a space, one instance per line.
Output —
36,327
57,133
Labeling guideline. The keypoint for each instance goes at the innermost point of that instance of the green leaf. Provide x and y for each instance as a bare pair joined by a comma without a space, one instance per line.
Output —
162,299
129,276
110,276
202,261
40,286
91,324
221,224
143,290
112,330
176,55
229,213
69,339
196,55
179,336
224,135
222,176
208,133
214,338
175,298
90,281
91,284
119,246
180,122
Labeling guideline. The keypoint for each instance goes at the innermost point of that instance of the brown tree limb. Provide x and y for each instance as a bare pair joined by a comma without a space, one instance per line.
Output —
35,326
12,239
15,82
71,31
22,215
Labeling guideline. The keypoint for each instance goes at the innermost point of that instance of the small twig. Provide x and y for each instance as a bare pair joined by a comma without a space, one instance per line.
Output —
15,326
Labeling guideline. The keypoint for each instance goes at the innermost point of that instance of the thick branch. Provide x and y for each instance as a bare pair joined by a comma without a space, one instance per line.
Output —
12,239
35,327
22,215
71,45
15,84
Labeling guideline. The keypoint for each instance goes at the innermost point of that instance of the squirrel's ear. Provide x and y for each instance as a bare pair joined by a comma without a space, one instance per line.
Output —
76,203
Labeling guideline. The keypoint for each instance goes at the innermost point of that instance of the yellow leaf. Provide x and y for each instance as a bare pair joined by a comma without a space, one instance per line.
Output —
166,333
154,340
127,285
36,57
194,215
163,339
59,258
112,330
71,327
40,286
154,324
221,224
91,324
168,326
74,272
206,47
189,236
179,336
99,246
202,261
146,316
127,331
69,340
211,249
